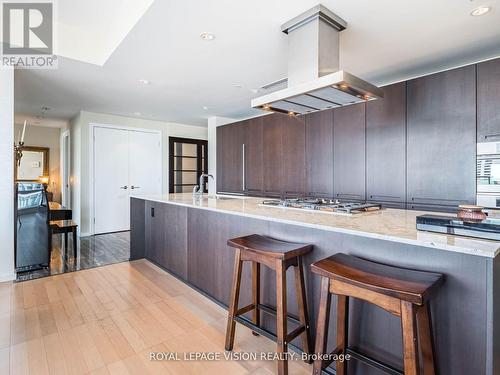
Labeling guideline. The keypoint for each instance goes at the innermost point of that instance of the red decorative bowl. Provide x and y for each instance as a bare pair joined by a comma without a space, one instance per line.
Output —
471,213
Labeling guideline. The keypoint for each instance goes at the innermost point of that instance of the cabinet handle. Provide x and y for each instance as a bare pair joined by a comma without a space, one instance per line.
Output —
124,187
243,177
492,136
353,196
152,212
135,187
383,197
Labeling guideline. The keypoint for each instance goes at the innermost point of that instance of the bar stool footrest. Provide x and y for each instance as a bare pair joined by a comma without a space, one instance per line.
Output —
245,309
272,311
264,332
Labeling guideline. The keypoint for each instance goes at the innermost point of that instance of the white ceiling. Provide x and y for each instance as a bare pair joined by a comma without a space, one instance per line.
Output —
386,41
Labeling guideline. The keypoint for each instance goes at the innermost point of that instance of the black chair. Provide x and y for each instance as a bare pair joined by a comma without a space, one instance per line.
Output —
61,226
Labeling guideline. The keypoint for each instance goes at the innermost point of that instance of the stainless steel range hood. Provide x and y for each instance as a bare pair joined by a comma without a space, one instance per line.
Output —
315,82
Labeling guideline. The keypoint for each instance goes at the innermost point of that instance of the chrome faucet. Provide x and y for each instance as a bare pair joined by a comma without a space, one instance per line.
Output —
198,189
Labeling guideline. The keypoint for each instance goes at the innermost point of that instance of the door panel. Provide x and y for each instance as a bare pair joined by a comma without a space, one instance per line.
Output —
386,145
273,155
145,163
254,183
111,171
294,159
319,154
488,97
349,152
441,164
230,140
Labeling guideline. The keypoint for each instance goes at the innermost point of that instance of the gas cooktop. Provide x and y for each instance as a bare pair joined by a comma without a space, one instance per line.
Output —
323,205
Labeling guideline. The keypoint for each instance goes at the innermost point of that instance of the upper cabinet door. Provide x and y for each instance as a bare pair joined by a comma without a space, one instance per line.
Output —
488,99
273,155
441,128
230,150
319,154
349,152
254,175
386,146
294,159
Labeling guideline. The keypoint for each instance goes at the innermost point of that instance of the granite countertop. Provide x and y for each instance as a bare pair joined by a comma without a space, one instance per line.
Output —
386,224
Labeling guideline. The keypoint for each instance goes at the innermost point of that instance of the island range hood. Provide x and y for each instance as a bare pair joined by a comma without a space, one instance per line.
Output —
315,82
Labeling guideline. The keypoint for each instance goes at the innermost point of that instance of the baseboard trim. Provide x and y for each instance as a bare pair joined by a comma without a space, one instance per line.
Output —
7,277
85,234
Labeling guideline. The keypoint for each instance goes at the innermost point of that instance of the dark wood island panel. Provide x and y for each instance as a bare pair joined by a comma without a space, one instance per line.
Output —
467,338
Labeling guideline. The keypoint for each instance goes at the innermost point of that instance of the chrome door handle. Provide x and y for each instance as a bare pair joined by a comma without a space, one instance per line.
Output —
124,187
135,187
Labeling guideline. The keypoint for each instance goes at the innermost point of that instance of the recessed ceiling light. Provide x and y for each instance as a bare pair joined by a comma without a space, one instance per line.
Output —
137,113
205,108
144,81
479,11
207,36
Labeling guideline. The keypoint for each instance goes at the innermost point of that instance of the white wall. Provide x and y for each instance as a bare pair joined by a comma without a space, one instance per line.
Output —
7,271
46,137
75,167
80,137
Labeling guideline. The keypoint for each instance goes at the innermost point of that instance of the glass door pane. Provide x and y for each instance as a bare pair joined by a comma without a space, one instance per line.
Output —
188,160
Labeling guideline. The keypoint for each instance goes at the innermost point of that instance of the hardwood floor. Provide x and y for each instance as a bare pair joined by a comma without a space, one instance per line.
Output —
107,320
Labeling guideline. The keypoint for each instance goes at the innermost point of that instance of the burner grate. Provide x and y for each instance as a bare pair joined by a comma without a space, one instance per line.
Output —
323,205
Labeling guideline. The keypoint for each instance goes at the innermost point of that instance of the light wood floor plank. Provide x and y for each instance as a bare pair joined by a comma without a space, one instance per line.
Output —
109,320
53,346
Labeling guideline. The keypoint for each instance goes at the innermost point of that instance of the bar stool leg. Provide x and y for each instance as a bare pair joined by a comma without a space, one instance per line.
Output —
75,245
49,243
322,324
342,331
410,342
302,304
65,244
256,294
425,339
235,295
281,316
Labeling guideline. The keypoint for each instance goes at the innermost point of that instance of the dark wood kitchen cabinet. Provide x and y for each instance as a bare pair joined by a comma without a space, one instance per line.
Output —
254,157
441,140
386,146
166,237
154,240
230,149
294,158
349,152
488,99
273,155
319,154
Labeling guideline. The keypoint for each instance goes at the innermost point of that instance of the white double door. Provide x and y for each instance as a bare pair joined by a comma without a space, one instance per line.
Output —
126,163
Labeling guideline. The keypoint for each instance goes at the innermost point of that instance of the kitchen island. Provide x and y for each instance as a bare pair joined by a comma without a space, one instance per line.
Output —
187,237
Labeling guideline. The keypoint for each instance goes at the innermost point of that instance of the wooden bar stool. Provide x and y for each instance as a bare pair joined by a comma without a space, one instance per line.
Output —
400,291
278,256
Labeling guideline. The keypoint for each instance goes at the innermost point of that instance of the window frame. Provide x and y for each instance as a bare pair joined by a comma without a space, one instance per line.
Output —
201,160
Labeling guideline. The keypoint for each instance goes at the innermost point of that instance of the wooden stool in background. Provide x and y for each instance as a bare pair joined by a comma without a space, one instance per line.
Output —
278,256
399,291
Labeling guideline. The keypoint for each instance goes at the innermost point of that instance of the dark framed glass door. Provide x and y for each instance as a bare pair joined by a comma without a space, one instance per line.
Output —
188,159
